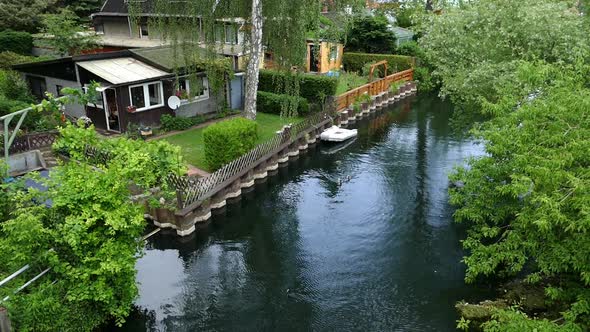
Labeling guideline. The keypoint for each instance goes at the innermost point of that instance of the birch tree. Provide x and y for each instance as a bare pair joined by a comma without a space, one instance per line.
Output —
277,26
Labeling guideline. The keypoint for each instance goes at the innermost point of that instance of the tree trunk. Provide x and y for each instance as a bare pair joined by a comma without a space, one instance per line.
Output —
253,69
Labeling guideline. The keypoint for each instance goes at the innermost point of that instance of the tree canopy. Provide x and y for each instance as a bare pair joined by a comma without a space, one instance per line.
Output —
23,15
370,34
524,64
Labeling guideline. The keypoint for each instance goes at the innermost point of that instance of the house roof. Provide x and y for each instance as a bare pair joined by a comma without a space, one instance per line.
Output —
122,70
165,59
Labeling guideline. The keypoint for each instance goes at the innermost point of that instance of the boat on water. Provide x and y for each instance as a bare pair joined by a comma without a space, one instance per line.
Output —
337,134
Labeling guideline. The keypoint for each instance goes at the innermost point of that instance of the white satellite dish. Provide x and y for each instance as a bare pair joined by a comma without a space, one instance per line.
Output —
174,102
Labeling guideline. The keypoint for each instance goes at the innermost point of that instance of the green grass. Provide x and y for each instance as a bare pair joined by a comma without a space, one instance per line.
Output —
349,81
193,148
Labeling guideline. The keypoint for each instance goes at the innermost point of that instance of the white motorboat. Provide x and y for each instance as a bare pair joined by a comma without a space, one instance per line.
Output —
337,134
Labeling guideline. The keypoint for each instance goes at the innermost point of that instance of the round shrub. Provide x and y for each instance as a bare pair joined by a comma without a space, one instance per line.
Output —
228,140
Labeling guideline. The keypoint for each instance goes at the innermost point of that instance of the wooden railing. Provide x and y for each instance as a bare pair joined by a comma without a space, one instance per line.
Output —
33,141
374,88
190,191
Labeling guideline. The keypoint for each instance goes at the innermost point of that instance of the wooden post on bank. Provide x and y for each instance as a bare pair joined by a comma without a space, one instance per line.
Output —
4,321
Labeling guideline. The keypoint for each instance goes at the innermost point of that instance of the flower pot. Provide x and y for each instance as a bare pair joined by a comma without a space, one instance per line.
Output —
131,109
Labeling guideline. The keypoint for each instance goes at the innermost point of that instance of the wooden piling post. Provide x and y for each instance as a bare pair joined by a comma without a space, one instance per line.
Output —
4,321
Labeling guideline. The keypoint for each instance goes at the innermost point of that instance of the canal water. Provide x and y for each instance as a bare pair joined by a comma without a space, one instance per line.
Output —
360,239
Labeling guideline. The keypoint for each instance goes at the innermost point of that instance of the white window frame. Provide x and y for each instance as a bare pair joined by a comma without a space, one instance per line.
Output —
204,96
146,96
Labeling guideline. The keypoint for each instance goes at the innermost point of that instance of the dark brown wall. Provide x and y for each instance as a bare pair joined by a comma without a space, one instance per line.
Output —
145,118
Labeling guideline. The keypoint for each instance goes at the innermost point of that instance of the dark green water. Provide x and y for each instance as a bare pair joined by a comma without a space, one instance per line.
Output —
301,253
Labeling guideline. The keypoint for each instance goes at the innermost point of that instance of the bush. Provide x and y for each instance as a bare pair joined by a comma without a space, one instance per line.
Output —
272,103
228,140
354,62
170,123
16,41
314,88
13,86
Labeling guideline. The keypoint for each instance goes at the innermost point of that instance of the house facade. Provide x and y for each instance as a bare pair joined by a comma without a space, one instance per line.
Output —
135,87
117,31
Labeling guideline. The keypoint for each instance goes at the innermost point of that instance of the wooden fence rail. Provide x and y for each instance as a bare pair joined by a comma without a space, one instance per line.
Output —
344,100
33,141
190,191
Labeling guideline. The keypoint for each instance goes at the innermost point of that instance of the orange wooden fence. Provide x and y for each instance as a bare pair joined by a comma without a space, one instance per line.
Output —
373,88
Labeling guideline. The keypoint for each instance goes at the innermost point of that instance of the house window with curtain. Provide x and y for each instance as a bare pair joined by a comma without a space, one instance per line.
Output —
146,96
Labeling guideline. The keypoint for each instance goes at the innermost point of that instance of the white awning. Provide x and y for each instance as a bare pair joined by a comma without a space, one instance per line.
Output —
122,70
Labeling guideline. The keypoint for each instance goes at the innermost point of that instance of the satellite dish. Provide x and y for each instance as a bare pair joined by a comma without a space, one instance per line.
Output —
174,102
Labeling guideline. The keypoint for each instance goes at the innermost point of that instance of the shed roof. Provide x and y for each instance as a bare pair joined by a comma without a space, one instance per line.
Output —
122,70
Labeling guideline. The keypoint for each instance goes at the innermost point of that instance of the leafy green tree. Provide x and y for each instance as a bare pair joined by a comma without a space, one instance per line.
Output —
370,34
82,8
526,202
23,15
474,46
90,240
65,35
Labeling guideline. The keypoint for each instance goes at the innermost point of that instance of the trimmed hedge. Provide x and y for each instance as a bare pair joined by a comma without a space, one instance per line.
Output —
170,123
354,62
228,140
272,103
16,41
311,87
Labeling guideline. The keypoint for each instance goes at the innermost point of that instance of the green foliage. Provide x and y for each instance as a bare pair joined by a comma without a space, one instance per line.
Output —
170,123
515,321
146,163
348,81
19,42
65,35
21,15
73,138
89,239
311,87
228,140
83,8
9,59
13,86
527,200
268,102
370,34
354,62
473,48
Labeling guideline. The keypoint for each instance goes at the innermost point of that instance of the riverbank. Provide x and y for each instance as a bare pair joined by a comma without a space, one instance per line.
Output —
375,251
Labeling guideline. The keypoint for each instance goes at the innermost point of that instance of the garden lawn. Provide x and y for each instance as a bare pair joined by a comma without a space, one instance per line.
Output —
193,148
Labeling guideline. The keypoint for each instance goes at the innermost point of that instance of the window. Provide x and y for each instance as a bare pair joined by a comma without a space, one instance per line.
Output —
334,53
231,34
99,29
226,33
147,96
192,88
58,88
143,30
